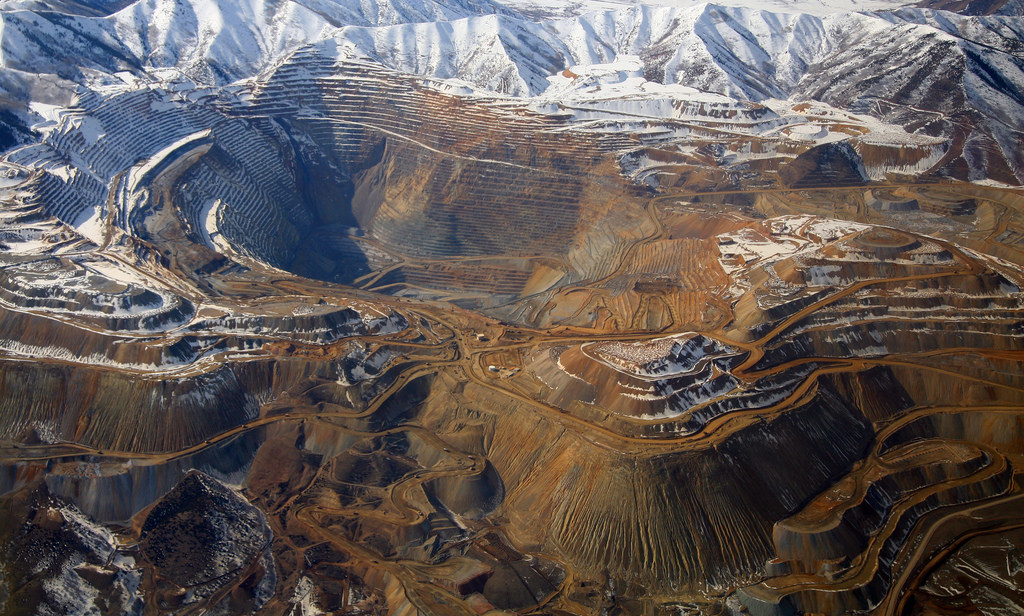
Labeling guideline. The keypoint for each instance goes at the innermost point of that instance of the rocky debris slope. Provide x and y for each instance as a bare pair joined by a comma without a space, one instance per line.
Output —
201,536
58,561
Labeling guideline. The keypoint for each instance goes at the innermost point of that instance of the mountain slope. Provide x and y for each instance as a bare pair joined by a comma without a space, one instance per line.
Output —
932,72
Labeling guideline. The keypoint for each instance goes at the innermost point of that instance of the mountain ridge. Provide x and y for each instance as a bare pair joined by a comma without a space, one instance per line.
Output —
930,71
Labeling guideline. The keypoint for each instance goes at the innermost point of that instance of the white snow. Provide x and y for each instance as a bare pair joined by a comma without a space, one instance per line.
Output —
305,596
50,113
559,8
142,171
92,224
776,239
70,594
90,128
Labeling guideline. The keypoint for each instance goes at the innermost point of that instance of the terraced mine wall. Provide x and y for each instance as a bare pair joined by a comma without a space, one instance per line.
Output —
440,352
431,176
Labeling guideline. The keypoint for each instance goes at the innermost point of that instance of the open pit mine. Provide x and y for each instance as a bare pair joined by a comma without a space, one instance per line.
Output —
455,308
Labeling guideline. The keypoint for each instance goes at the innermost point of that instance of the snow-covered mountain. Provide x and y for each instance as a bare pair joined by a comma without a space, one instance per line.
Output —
731,50
216,42
933,72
